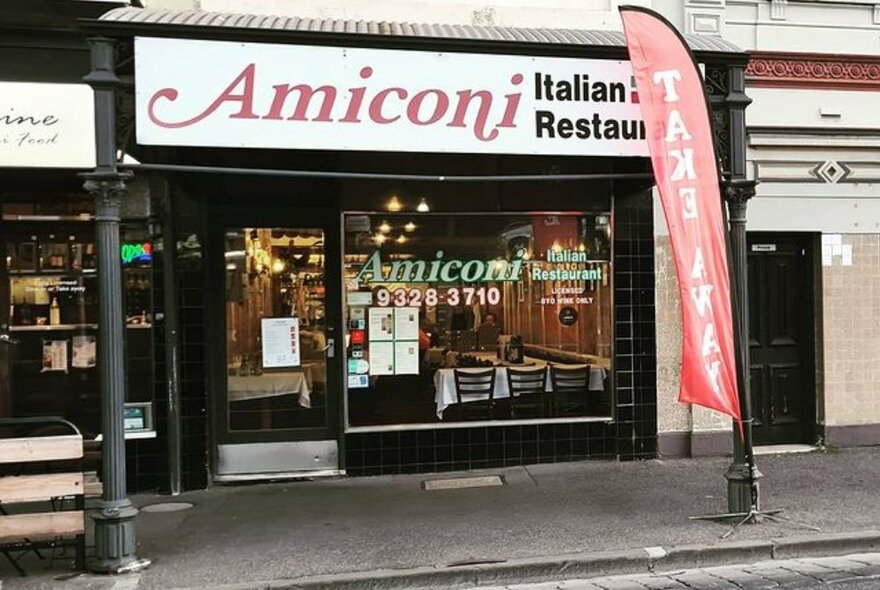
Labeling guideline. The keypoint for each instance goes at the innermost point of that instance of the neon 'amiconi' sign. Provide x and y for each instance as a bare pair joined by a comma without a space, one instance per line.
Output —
440,269
453,270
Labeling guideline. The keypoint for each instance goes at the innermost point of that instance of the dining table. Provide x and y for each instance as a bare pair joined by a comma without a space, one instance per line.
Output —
444,380
266,385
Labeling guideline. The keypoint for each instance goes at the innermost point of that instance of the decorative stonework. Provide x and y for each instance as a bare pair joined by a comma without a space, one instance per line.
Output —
831,172
777,9
804,70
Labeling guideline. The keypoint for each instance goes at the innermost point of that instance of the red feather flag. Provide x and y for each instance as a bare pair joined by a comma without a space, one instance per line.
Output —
676,114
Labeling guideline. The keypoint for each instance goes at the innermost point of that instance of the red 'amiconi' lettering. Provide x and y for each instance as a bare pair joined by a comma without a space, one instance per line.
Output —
476,109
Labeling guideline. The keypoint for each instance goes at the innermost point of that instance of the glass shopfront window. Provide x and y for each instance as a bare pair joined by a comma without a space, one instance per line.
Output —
477,317
49,315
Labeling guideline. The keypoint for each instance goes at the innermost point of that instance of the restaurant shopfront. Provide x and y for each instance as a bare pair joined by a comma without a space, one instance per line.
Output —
396,253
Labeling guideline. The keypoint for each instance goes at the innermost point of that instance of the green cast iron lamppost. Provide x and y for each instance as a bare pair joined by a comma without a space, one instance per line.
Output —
115,542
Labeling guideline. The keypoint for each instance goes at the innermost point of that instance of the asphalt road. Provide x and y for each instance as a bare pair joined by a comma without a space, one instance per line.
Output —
848,572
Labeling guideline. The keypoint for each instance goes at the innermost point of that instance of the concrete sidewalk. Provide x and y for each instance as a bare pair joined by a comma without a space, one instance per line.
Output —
546,520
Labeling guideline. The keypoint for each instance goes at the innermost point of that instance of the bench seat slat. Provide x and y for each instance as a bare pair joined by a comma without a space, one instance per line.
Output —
35,488
44,525
47,448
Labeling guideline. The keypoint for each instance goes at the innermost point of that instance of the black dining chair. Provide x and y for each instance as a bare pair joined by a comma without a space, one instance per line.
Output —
527,387
475,390
570,389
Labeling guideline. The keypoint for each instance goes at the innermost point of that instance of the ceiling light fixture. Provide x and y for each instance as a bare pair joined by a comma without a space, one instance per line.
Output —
410,226
394,204
423,206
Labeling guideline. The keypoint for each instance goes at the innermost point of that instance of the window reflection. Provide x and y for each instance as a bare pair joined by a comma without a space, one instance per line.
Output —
275,328
512,317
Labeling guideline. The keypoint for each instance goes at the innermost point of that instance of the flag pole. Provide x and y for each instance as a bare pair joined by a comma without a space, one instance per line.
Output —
659,53
743,492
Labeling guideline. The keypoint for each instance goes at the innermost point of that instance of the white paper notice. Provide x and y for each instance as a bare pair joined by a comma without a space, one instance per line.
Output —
381,324
406,358
406,323
280,342
85,353
846,254
54,355
381,358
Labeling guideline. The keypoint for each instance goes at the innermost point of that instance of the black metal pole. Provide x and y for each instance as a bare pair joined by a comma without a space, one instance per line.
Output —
742,475
171,324
115,542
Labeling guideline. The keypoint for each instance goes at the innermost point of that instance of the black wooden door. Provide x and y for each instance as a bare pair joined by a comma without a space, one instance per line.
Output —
781,338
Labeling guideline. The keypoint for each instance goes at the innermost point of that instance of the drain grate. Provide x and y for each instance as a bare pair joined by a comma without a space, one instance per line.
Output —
167,507
458,483
475,562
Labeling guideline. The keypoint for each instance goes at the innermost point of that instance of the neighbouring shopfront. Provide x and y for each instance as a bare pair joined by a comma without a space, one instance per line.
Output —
48,268
397,254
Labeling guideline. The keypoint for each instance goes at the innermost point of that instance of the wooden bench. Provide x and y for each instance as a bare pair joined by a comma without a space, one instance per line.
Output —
41,481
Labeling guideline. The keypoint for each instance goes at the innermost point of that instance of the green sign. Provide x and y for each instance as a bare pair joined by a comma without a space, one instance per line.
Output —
452,270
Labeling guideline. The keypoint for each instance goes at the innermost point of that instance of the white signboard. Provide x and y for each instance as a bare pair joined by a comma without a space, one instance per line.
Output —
381,324
406,358
406,323
250,95
280,342
47,125
381,358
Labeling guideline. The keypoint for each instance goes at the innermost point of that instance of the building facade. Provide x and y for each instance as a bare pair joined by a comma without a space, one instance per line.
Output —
387,262
348,239
813,233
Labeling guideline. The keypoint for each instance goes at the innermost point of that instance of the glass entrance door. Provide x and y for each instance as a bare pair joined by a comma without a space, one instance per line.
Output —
280,400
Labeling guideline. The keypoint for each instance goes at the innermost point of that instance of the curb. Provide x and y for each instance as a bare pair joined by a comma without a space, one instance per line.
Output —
580,565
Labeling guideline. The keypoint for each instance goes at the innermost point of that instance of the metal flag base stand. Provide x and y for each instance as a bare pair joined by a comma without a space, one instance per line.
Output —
755,516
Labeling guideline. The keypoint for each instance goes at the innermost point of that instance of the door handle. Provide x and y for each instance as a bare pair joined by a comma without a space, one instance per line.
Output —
8,339
330,349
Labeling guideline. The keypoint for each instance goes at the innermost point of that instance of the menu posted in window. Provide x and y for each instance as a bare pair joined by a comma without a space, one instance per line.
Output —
381,324
280,338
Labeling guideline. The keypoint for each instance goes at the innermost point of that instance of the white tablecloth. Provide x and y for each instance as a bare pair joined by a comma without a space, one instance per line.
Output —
444,384
270,385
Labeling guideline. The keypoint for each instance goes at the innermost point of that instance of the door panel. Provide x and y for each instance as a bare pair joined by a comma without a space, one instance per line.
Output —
276,384
276,336
786,394
781,338
756,305
784,282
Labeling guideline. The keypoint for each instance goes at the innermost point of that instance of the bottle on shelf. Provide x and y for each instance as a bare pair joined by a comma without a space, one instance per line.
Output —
54,312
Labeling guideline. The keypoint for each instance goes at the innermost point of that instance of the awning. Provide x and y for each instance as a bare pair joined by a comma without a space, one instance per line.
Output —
194,19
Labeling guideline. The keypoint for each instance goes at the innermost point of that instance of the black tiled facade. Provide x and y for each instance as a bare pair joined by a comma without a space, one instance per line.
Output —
147,460
633,435
634,340
458,449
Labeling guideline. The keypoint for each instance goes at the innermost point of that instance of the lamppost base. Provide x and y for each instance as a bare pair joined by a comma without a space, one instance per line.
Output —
115,544
739,489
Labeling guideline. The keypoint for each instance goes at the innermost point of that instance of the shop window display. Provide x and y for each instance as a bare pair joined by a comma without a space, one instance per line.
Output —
476,317
49,296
